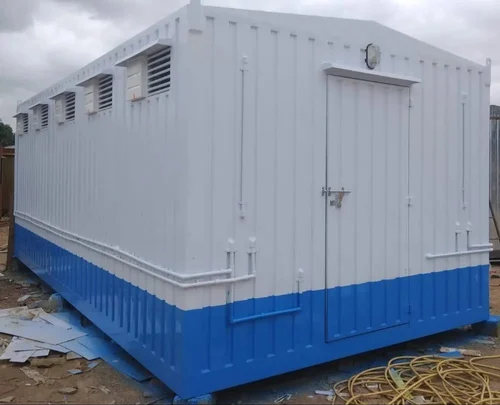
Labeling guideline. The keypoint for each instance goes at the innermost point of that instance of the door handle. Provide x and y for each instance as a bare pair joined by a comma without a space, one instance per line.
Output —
338,197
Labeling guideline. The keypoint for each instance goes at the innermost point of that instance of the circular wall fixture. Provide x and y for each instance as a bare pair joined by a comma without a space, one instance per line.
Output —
372,56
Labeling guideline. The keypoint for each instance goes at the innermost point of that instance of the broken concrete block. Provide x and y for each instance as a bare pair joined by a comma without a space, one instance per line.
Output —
68,390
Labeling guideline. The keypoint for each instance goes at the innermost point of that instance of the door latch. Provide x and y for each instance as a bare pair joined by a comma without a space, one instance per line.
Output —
338,197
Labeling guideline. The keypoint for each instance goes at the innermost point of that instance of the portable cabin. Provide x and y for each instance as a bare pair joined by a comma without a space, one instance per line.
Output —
231,194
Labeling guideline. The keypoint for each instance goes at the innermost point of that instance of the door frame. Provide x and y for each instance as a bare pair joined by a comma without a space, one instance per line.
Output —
332,70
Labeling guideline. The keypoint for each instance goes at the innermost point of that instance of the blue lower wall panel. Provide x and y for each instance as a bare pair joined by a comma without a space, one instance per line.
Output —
198,352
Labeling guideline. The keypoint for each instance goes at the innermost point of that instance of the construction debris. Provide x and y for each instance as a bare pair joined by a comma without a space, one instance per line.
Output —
37,334
73,356
284,397
23,298
92,365
34,375
6,400
465,352
68,390
48,362
38,331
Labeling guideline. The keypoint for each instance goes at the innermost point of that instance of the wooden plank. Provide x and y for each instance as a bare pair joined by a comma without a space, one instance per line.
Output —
10,248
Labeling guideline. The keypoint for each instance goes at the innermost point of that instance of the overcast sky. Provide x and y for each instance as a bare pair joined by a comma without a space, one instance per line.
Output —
41,41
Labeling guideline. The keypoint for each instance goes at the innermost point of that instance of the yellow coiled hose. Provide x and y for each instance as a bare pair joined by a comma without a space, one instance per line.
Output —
428,380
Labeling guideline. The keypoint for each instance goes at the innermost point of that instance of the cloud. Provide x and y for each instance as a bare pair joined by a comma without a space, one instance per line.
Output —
14,17
50,39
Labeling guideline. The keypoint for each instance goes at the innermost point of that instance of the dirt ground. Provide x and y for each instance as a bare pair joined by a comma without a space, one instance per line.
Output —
105,385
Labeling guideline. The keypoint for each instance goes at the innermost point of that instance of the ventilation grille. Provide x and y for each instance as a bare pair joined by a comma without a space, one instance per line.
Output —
105,92
69,106
159,71
45,115
25,123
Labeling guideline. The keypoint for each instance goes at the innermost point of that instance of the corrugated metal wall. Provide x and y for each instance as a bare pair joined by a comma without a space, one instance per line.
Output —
253,154
495,169
115,177
282,96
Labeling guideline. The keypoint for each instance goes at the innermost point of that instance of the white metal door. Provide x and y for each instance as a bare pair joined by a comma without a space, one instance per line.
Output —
366,207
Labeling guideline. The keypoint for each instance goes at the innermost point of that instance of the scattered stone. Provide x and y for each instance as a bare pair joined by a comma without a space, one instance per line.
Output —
55,303
75,371
68,390
48,362
23,298
6,400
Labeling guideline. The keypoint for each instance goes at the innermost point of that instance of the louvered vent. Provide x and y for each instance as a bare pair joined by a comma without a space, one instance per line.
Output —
159,71
45,115
25,123
69,106
105,92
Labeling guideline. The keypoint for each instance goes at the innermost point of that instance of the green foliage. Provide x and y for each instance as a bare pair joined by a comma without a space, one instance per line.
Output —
6,134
